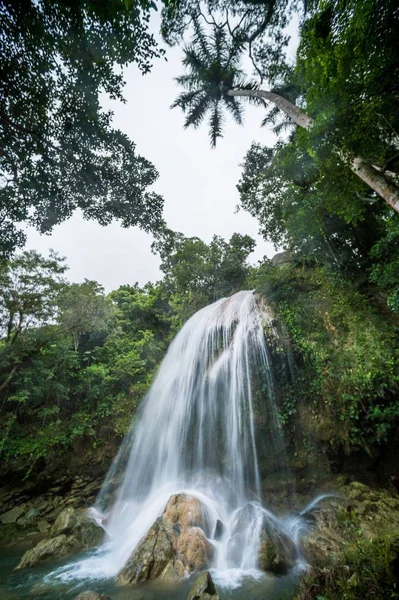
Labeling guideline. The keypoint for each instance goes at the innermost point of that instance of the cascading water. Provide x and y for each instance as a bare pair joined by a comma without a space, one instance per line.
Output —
196,434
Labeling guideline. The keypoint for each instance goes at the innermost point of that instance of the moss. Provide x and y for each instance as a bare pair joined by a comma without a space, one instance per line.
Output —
337,382
11,532
368,570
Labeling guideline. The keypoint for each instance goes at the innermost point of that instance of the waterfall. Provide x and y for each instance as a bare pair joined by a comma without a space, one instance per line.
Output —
196,434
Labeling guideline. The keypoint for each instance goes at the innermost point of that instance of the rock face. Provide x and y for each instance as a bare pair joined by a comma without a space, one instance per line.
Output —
44,550
31,504
12,515
183,510
151,557
203,588
277,551
282,258
174,546
72,531
194,550
357,512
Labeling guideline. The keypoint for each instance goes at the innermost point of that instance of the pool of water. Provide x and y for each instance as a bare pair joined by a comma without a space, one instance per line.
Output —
37,583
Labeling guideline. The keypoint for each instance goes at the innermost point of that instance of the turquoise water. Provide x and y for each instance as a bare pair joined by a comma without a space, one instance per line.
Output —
32,584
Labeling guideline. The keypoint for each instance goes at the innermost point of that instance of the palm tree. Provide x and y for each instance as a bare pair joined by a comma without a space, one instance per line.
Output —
214,80
213,68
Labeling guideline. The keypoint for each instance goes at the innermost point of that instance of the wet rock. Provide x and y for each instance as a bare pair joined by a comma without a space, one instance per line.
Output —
85,531
12,515
325,538
173,547
90,595
80,532
203,588
194,550
65,521
184,510
219,530
277,551
28,519
153,556
336,522
43,526
53,548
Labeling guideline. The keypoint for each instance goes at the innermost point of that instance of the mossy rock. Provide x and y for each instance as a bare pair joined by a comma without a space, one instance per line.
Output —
203,588
53,548
152,557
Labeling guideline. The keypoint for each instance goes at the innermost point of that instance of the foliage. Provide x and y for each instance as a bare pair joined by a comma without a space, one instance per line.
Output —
59,149
385,268
350,391
83,310
315,213
367,571
82,360
29,286
196,273
348,71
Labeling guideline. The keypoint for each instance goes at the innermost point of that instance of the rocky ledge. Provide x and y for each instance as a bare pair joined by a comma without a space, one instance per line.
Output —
73,530
28,510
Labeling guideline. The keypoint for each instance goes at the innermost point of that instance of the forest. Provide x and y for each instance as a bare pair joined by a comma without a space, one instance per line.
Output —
76,360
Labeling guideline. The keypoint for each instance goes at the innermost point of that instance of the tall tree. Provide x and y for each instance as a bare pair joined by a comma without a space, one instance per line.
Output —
59,150
82,309
197,273
214,78
29,288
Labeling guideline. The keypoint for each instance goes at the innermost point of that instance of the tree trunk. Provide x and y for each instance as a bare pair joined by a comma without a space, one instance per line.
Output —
375,179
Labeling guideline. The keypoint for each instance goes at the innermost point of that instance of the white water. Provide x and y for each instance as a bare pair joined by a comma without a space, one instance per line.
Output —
196,434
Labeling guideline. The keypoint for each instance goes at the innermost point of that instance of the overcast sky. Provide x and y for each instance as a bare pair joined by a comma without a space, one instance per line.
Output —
197,183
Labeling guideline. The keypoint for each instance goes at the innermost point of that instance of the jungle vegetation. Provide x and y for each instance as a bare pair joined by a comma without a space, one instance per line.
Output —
75,360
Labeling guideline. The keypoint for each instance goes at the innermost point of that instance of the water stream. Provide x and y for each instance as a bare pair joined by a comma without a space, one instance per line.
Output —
196,434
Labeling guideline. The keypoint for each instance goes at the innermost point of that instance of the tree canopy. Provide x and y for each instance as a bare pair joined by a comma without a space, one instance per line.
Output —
59,149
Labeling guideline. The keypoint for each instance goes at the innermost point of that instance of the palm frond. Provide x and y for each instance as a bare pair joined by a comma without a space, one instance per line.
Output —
188,81
271,117
235,108
193,60
215,124
197,111
284,125
200,40
185,99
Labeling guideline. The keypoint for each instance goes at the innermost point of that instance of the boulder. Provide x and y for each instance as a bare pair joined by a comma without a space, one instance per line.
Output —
282,258
80,532
153,556
194,550
277,550
43,526
53,548
174,546
65,521
86,532
203,588
325,538
11,516
28,519
184,510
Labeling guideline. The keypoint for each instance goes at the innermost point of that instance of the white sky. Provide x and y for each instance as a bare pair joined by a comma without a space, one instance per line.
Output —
197,183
